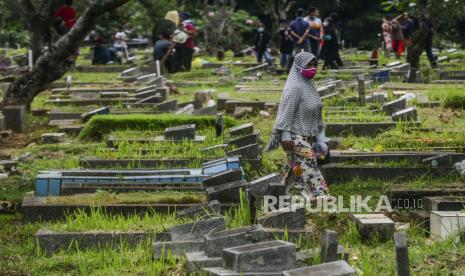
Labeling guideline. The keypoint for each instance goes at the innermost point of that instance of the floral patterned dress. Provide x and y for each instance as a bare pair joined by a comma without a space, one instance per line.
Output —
302,169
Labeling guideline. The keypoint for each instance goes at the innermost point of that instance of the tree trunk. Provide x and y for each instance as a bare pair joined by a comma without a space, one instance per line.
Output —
418,39
55,62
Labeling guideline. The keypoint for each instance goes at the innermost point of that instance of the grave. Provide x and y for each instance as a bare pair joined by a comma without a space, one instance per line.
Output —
247,152
394,106
370,226
210,110
271,256
188,109
443,203
444,224
210,208
337,268
217,241
197,230
226,193
184,132
154,99
196,261
231,105
401,249
14,117
166,105
408,114
244,129
329,246
176,248
99,111
289,218
245,140
223,178
413,198
53,138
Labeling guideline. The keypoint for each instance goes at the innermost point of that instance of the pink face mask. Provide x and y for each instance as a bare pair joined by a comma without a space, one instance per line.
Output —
308,73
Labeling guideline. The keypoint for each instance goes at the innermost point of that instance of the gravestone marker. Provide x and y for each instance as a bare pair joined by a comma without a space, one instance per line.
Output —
361,89
53,138
188,109
338,268
374,225
261,257
244,129
14,117
99,111
197,230
184,132
408,114
290,218
394,106
166,105
223,178
401,249
226,193
210,208
329,246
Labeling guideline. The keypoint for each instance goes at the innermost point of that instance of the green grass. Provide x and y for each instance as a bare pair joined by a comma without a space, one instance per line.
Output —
100,125
99,220
102,198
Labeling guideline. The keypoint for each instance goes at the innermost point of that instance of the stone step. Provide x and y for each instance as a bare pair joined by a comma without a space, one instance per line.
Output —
216,242
261,257
338,268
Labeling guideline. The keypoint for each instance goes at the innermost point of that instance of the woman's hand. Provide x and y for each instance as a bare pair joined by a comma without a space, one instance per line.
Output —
287,145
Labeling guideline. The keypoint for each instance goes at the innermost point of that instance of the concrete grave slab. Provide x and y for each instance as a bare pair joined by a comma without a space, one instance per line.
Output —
184,132
53,138
408,114
444,224
196,230
337,268
371,225
223,178
226,193
290,218
244,129
268,256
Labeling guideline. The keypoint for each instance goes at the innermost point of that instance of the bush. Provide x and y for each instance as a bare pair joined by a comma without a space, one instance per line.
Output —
100,125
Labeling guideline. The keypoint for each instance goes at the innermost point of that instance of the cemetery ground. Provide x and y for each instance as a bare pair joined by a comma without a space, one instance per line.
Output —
125,141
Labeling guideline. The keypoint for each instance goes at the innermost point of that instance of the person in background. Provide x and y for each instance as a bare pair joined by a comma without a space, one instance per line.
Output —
315,33
299,129
65,17
407,28
5,61
166,26
337,24
299,31
102,54
429,43
397,38
330,44
262,38
386,27
286,44
119,43
190,29
162,51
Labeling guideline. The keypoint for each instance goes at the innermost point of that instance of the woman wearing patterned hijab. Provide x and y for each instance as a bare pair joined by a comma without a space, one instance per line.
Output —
299,128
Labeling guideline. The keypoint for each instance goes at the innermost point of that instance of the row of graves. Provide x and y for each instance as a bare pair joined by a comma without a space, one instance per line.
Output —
196,175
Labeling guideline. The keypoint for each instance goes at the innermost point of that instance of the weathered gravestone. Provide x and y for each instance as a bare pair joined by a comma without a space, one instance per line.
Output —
166,105
337,268
14,117
408,114
244,129
223,178
290,218
197,230
329,246
217,241
99,111
372,226
401,249
53,138
261,257
184,132
210,208
394,106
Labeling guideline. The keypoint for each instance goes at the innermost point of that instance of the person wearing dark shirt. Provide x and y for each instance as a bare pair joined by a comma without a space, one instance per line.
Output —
335,17
315,34
299,31
102,54
330,44
262,38
286,44
66,16
407,28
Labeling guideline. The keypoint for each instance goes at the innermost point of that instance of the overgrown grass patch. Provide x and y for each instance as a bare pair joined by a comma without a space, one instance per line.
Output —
104,197
105,124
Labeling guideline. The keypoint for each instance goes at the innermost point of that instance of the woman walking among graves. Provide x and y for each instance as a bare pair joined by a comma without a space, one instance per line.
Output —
299,129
